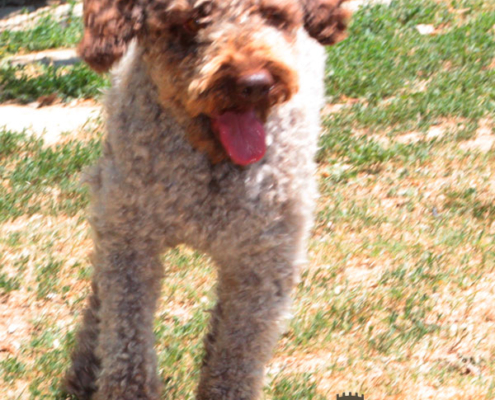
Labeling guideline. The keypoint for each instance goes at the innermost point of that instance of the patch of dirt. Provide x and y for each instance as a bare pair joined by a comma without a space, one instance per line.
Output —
301,363
20,309
332,108
337,107
57,57
15,323
434,132
354,5
49,122
410,137
484,139
425,29
490,66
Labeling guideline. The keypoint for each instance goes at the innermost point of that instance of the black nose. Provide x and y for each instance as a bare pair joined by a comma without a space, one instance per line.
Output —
254,86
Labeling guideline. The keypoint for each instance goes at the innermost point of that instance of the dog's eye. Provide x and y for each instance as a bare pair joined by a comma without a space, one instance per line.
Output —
193,25
275,18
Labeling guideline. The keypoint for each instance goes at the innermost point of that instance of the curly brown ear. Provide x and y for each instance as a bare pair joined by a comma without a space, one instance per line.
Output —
326,20
109,26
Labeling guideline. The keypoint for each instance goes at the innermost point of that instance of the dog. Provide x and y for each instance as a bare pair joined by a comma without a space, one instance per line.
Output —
212,126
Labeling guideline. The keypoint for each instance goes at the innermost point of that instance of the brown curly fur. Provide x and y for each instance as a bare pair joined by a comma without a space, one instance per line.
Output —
111,24
165,179
326,20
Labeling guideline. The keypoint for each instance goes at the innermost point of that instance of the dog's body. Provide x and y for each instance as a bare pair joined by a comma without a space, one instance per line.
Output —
171,173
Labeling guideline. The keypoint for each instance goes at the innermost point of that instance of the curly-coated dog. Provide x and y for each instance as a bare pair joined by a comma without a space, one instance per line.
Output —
212,121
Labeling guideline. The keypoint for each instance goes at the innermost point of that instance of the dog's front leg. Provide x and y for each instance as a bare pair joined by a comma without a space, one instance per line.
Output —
128,285
253,298
80,379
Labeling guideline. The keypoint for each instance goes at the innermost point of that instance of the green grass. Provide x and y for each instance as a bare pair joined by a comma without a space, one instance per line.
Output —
48,33
76,81
405,81
38,179
397,300
26,84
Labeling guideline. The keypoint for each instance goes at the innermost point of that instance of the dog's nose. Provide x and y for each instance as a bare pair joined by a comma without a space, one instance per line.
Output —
254,86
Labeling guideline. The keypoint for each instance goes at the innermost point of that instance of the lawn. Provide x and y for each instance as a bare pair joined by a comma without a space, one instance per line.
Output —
397,301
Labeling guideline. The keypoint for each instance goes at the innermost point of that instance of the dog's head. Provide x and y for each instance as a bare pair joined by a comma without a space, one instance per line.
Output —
226,63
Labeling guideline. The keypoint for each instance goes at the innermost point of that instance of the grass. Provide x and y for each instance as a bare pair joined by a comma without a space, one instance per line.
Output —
76,81
25,84
42,179
396,302
48,33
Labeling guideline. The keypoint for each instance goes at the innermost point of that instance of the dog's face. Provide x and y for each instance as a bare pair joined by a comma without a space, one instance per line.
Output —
226,63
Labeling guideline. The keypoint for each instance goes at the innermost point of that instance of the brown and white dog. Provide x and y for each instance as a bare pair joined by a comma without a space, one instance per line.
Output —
212,121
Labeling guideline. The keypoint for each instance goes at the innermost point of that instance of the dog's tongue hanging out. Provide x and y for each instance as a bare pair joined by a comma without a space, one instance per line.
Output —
242,135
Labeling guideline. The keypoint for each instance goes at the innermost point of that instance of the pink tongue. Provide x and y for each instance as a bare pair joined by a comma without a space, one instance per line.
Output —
242,135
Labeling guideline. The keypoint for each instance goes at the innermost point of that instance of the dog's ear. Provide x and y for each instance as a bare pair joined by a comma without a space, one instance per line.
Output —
326,20
109,26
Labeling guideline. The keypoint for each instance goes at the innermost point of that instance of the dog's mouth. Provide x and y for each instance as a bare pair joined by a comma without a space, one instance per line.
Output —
242,135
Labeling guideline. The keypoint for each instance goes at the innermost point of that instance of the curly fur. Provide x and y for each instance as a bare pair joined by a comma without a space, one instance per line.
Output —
164,179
